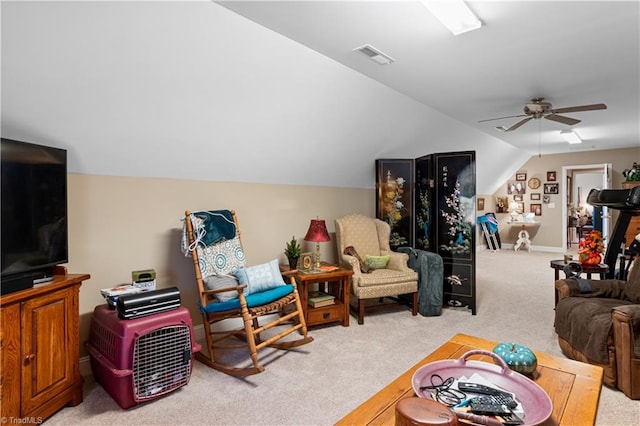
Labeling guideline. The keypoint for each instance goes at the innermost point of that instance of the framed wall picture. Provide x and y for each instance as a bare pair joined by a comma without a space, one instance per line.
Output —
546,199
480,203
550,188
516,187
502,203
535,196
536,209
521,176
517,197
551,176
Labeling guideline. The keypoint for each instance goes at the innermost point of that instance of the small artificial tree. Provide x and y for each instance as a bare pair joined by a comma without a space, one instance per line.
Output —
292,251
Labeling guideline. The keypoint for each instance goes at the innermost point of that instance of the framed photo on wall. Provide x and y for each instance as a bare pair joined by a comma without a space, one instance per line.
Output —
536,209
550,188
480,203
535,196
516,187
517,198
521,176
551,176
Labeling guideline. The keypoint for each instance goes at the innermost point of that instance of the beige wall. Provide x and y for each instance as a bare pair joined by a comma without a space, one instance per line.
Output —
120,224
550,233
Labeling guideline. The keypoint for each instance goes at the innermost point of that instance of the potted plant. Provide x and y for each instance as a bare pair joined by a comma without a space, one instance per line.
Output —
292,251
632,176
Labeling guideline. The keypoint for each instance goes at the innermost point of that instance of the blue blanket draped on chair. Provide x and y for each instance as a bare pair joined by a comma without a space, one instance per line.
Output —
218,225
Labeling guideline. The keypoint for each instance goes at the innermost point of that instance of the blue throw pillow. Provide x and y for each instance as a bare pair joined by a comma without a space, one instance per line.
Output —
260,277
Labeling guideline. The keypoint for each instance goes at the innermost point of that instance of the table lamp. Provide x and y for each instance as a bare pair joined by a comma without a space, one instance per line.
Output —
317,233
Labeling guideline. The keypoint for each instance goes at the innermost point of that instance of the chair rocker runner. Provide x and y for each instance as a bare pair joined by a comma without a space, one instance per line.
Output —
212,238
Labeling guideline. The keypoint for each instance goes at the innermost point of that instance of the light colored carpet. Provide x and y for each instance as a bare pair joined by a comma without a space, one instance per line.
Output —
319,383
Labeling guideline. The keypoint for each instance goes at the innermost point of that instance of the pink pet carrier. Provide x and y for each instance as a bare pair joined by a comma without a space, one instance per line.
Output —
141,359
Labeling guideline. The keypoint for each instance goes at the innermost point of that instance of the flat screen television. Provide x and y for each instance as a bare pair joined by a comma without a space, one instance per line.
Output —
33,213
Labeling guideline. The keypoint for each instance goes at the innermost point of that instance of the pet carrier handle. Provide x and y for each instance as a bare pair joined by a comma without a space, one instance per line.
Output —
104,361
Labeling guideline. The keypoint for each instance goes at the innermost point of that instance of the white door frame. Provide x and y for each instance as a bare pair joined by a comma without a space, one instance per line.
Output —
606,169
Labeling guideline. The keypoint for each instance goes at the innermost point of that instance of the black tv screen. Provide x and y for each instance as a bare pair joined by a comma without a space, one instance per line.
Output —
34,209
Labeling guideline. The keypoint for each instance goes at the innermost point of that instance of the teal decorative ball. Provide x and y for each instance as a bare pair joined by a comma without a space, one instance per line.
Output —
519,358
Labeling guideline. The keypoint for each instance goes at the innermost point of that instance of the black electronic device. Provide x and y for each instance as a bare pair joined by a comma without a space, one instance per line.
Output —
500,396
34,213
148,303
488,405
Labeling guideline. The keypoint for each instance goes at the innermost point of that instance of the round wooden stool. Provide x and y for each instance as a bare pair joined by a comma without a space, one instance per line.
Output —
423,412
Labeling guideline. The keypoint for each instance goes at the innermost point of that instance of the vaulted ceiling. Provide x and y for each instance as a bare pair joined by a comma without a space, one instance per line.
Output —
571,53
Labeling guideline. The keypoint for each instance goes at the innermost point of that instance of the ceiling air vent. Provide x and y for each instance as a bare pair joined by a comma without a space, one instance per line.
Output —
375,55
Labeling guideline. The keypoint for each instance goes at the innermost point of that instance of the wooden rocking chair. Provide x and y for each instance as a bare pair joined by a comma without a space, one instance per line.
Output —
237,305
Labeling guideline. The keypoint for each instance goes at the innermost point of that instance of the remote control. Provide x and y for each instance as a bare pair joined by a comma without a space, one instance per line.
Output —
488,405
501,396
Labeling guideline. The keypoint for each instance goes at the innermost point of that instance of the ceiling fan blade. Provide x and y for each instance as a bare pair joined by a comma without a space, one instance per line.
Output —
500,118
518,124
579,108
562,119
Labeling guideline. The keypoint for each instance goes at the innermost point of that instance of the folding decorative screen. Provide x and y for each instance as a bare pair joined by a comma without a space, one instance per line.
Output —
442,212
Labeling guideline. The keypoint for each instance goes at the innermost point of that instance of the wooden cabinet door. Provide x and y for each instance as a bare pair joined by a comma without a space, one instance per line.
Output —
49,346
10,361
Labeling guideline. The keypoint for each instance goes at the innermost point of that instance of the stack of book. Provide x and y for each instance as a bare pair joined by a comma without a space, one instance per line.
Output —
328,268
318,299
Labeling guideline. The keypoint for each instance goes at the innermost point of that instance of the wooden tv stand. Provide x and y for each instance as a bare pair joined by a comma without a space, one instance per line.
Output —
40,349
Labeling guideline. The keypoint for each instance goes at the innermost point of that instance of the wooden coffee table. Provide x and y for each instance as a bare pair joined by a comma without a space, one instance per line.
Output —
574,387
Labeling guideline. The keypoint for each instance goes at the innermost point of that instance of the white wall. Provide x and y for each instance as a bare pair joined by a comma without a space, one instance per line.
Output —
191,90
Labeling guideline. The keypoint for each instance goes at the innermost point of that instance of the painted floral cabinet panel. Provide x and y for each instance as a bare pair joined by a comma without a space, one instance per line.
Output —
394,199
446,199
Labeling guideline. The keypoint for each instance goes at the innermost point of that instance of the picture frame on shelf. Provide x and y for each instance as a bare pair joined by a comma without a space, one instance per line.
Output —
305,263
550,188
551,176
521,176
535,196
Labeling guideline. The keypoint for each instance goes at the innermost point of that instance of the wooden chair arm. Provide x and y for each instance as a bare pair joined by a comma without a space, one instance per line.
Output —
239,288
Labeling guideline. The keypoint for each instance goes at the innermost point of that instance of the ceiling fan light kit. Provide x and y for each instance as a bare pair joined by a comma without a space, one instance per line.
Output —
453,14
570,136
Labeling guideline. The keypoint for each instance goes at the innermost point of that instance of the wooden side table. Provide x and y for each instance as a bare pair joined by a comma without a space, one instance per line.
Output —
336,283
558,265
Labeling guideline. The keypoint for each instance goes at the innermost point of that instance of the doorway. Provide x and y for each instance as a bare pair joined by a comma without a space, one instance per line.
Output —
572,176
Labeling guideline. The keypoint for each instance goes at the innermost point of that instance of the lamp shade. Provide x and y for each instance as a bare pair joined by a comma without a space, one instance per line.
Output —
317,232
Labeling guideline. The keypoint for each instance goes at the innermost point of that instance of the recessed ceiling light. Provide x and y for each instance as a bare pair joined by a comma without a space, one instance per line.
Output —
454,14
570,136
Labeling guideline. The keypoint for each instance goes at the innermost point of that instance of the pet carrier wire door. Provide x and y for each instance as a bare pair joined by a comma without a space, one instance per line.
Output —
142,359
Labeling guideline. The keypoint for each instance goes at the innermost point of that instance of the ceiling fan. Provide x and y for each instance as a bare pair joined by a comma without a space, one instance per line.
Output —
538,108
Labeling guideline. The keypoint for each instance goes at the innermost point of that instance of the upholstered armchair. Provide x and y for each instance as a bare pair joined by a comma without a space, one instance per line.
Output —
366,241
600,324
